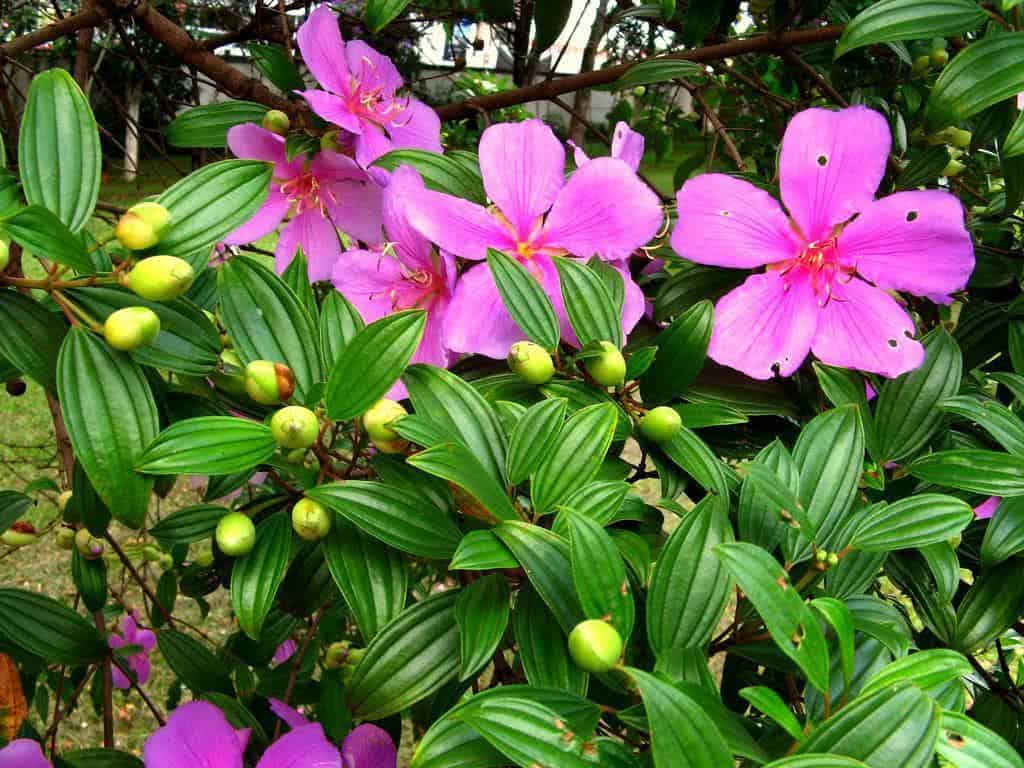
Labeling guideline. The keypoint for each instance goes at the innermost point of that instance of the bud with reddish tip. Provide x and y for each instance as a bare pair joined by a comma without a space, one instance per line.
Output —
310,519
20,534
131,327
609,367
277,122
531,362
661,424
595,645
269,383
294,427
88,547
235,535
65,539
377,421
161,278
142,226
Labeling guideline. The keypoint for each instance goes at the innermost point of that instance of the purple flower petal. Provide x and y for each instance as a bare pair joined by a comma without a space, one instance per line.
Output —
333,109
367,279
120,679
323,50
288,715
368,746
416,127
23,753
830,165
412,246
459,226
304,747
579,156
729,222
265,221
373,71
197,735
318,240
627,145
141,666
356,209
253,142
863,327
911,241
477,320
987,508
285,651
371,143
634,302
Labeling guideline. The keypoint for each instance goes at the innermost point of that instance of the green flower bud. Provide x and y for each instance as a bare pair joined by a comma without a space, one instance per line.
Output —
310,519
391,446
166,561
639,91
833,560
63,499
65,539
142,226
595,645
269,383
331,142
953,168
939,58
131,327
531,362
821,555
336,655
203,556
661,424
922,64
20,534
151,554
609,368
348,668
377,421
235,534
955,541
277,122
161,278
88,547
960,138
295,427
295,457
229,375
5,254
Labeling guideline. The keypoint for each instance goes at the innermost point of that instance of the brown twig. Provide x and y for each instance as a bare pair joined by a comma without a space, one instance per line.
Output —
717,124
108,688
826,88
293,676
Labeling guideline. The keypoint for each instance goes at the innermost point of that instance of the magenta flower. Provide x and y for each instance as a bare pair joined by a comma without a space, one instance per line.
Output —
24,753
285,651
328,192
360,86
627,146
603,209
138,662
987,508
828,273
365,746
404,273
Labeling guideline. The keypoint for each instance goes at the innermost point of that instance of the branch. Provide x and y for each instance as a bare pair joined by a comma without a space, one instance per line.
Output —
91,17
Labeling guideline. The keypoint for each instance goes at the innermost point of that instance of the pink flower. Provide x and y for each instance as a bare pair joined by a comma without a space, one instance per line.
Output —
359,96
627,146
285,651
23,753
320,194
138,662
404,273
987,508
365,746
815,294
603,209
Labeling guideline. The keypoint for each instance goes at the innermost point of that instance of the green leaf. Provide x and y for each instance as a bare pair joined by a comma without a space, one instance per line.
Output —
90,577
454,462
864,729
482,551
550,18
208,445
256,576
658,71
600,575
30,337
542,645
988,472
845,387
188,524
890,20
274,63
409,659
1004,534
992,604
339,323
781,607
840,617
545,558
682,348
111,417
690,586
816,761
693,456
266,321
372,362
193,663
533,438
907,414
966,743
682,735
482,612
12,506
925,669
380,13
525,300
397,517
207,126
210,203
372,577
600,500
59,156
40,232
576,456
97,758
758,517
591,310
1013,145
915,521
1000,422
771,704
48,629
441,173
985,73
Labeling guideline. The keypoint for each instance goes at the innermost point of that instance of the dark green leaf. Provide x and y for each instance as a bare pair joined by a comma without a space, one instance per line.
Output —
533,438
985,73
380,13
454,462
890,20
591,310
193,663
482,612
40,232
915,521
48,629
442,173
274,63
681,351
1004,535
966,743
256,576
543,648
992,604
482,551
30,337
208,445
525,300
575,458
550,18
996,474
658,71
339,323
600,574
207,126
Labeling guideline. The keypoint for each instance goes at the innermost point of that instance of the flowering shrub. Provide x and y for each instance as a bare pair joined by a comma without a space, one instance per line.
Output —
503,460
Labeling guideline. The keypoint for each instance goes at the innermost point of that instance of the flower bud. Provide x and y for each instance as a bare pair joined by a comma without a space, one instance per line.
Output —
609,368
310,519
939,58
269,383
88,547
166,561
348,668
5,254
65,539
203,556
142,226
639,91
661,424
531,362
595,645
377,421
922,64
391,446
832,559
953,168
161,278
151,554
131,327
235,534
229,374
336,654
63,499
960,138
277,122
20,534
295,427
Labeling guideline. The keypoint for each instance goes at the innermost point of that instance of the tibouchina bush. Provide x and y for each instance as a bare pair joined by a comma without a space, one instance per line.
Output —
525,465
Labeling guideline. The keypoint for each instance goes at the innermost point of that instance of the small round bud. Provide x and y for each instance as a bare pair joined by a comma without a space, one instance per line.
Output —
65,539
295,427
63,499
377,420
151,554
277,122
295,457
391,446
235,534
20,534
939,58
821,555
15,387
921,64
141,227
960,138
336,654
531,362
131,327
348,668
639,91
661,424
166,561
331,142
310,519
269,383
161,278
609,368
203,556
955,541
88,547
5,254
833,560
595,645
953,168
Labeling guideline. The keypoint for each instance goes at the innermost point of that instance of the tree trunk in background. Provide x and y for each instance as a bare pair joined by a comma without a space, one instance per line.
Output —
131,131
521,44
581,101
84,46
